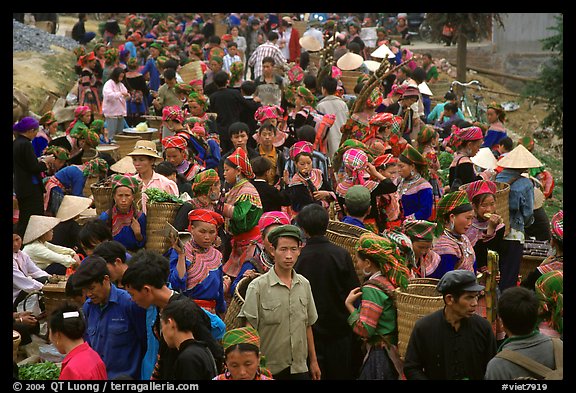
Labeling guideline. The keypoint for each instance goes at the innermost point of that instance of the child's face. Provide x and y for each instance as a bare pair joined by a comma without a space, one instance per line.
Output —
239,140
232,51
16,242
304,165
391,172
266,138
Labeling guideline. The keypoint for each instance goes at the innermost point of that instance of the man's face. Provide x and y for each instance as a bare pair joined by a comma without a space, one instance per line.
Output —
466,304
98,292
143,297
266,138
267,68
286,252
240,140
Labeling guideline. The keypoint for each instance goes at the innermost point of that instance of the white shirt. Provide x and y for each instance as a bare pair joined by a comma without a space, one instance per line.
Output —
45,253
24,271
316,34
285,38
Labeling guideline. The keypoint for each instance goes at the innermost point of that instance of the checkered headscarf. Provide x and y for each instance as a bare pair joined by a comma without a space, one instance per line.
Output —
94,167
307,96
242,162
550,291
131,182
57,151
300,147
271,218
295,74
557,225
419,230
47,118
384,159
460,135
199,99
355,160
209,216
243,335
385,119
83,133
449,202
480,187
174,141
173,112
267,112
203,181
414,155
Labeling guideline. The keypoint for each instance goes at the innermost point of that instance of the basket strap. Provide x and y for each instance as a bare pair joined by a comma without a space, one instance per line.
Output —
525,362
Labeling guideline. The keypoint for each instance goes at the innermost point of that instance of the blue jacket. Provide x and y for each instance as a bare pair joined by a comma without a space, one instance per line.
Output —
521,199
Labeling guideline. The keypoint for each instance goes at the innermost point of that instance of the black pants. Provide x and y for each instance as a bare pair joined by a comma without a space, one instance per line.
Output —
510,264
286,376
32,204
339,358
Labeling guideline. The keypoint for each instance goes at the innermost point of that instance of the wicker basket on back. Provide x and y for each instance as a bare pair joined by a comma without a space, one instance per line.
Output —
502,206
346,236
231,319
412,304
102,193
125,143
157,215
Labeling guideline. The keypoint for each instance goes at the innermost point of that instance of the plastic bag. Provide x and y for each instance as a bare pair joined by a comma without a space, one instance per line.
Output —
48,352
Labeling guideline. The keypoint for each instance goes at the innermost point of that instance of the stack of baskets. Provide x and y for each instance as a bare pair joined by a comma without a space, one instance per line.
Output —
502,206
346,236
231,319
125,143
158,214
102,193
413,303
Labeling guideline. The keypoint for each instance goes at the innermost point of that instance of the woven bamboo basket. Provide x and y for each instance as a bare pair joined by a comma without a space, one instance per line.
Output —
87,191
125,143
231,319
502,206
102,193
412,304
528,264
424,280
154,121
89,154
346,236
157,215
349,79
16,340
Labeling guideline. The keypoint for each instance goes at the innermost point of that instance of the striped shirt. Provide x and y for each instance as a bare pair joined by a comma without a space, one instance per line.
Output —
268,49
228,60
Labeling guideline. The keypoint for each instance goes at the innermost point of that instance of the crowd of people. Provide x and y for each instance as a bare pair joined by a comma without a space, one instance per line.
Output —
259,181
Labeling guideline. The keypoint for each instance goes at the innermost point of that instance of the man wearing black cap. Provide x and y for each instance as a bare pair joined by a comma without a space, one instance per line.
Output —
455,342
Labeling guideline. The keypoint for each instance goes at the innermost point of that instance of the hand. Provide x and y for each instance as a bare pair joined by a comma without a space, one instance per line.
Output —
286,177
494,220
135,226
175,241
353,296
315,372
250,273
319,195
257,99
76,259
26,318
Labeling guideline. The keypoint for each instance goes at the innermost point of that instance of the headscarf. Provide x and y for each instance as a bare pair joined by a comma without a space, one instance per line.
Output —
157,46
47,119
268,112
355,160
271,218
479,187
307,96
97,126
83,133
385,119
425,135
498,109
195,82
236,72
132,63
243,335
240,158
217,55
132,182
557,226
78,112
550,291
209,216
174,141
414,156
173,113
199,99
57,151
161,60
336,72
196,50
300,147
295,74
183,88
374,98
460,135
198,129
94,167
86,58
447,204
26,124
385,159
419,230
203,181
527,142
111,55
387,255
79,51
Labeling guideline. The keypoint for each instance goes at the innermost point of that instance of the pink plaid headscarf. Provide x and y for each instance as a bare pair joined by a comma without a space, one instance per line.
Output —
271,218
336,72
356,160
173,112
268,112
300,147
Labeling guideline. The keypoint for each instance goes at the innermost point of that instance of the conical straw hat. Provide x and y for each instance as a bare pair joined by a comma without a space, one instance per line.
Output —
37,226
310,43
519,158
424,89
349,61
124,166
372,65
383,52
72,206
485,159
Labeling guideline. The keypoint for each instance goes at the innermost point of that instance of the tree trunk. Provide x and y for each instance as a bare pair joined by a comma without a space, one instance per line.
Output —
461,58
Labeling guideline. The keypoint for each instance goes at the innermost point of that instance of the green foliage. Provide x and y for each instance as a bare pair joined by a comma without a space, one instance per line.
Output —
156,195
472,25
39,371
550,83
445,159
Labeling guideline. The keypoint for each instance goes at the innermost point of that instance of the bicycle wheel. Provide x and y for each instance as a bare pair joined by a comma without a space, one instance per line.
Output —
425,31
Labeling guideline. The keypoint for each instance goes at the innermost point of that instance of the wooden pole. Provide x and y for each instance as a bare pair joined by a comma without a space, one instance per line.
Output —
496,73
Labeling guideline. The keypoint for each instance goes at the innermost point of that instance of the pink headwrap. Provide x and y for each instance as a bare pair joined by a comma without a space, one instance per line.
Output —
336,72
271,218
300,147
356,160
173,112
268,112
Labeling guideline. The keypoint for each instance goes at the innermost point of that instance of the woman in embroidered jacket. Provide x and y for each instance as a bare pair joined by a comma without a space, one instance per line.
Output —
454,217
242,210
196,269
127,222
415,191
375,320
467,142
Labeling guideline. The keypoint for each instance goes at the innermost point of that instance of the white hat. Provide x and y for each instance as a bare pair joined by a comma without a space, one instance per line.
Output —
124,166
72,206
106,148
310,43
38,226
288,19
145,148
372,65
349,61
383,52
519,158
484,159
424,89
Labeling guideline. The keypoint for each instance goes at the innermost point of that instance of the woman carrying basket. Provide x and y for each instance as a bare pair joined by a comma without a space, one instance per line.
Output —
376,320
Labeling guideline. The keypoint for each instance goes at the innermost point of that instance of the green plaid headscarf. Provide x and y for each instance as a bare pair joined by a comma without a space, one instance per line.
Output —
157,46
307,95
243,335
111,55
236,71
203,181
83,133
132,63
131,182
526,141
387,255
217,55
200,99
47,118
550,291
290,94
161,60
183,88
57,151
196,49
425,135
449,202
416,158
95,167
97,126
419,230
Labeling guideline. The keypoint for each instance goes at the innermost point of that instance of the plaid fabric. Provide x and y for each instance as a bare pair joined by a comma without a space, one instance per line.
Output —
83,133
419,230
86,58
295,74
131,182
242,162
449,202
479,187
173,112
384,160
374,99
404,244
203,181
183,88
97,126
132,63
526,141
196,50
355,160
161,60
397,90
198,129
243,335
414,155
236,71
307,95
460,135
300,147
209,216
387,255
425,135
111,55
290,94
550,291
557,225
81,110
336,72
199,99
268,112
174,141
94,167
385,119
271,218
217,54
57,151
47,118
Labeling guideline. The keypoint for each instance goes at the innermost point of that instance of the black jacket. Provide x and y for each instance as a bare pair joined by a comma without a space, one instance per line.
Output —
272,199
228,103
27,168
194,362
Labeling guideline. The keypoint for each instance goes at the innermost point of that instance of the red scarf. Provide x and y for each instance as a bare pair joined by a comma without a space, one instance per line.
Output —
121,220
